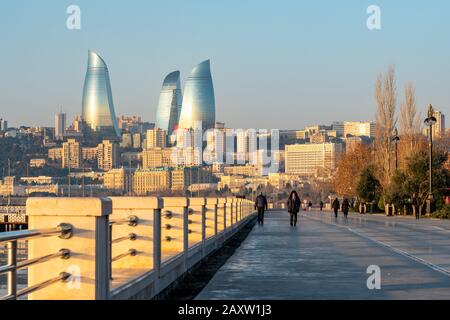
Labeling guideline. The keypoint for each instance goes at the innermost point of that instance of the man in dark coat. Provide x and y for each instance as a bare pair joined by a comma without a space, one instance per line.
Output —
321,205
336,205
293,205
345,207
416,205
261,205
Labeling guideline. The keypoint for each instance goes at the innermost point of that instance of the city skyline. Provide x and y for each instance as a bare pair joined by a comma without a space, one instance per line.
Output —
296,57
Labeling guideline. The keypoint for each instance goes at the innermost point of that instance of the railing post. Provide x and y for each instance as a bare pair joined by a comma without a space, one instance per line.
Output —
157,246
12,275
225,209
89,262
236,219
216,219
203,229
186,235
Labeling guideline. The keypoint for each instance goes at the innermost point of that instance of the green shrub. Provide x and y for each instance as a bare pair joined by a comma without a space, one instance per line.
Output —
444,213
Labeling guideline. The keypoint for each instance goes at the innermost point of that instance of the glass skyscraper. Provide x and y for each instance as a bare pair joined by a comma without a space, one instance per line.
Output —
170,102
98,107
198,99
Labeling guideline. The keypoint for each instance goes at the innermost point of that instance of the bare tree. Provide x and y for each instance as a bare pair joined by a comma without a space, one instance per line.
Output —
385,94
410,124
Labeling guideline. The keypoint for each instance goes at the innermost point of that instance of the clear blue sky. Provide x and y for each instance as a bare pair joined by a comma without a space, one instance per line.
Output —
275,64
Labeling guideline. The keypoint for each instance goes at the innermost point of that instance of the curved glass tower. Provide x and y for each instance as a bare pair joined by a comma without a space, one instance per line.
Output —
170,100
198,99
98,107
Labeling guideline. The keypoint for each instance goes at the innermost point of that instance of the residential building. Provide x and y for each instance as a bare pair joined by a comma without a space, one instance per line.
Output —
146,181
60,126
108,155
119,180
183,177
71,154
312,159
156,138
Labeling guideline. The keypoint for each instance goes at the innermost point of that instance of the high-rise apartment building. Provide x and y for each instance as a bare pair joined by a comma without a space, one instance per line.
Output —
60,125
108,155
312,159
137,141
156,138
3,125
71,154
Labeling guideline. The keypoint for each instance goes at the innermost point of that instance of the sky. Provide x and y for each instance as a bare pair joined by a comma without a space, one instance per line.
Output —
275,64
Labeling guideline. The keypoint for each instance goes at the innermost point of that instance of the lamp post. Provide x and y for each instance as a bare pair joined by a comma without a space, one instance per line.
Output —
396,139
430,121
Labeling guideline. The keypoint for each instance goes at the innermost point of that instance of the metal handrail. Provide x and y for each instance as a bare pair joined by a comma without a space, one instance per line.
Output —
131,252
132,221
64,230
63,276
63,254
131,236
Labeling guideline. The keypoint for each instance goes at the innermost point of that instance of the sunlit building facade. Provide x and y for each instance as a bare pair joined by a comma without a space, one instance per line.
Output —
98,107
170,103
198,100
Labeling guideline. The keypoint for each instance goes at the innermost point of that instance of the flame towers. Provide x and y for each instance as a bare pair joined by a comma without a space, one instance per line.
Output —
170,101
198,99
98,107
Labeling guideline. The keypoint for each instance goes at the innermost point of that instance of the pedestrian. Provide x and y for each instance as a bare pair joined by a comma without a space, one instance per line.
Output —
294,205
415,204
335,205
261,205
321,205
345,207
310,206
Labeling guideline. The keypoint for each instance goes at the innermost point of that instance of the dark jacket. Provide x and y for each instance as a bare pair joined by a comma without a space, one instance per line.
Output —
293,205
336,204
261,202
345,205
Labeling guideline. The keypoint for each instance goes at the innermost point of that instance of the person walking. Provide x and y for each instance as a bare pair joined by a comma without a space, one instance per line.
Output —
321,205
345,207
415,205
309,206
261,205
294,205
336,205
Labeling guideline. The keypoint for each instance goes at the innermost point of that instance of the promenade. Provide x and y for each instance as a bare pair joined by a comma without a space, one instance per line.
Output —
325,258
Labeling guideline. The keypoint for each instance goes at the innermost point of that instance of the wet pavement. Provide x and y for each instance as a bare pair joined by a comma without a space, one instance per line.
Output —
325,258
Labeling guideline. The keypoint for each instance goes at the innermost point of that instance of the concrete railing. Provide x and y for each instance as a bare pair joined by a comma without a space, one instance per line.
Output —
123,247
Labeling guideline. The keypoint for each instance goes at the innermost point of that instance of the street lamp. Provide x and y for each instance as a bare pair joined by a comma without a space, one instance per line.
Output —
430,121
396,139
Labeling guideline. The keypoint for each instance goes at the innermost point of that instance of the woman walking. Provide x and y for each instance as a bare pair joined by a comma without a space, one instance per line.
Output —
293,205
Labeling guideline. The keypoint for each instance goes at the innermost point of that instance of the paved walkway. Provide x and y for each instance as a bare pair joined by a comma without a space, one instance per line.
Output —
325,258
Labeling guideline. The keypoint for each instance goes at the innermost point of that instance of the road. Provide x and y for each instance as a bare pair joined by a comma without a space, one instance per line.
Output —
327,258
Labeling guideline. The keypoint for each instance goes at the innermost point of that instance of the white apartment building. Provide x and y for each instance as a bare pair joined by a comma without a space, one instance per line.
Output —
310,159
354,128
